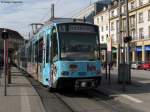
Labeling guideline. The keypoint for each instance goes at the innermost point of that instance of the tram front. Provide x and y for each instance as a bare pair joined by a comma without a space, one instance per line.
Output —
79,64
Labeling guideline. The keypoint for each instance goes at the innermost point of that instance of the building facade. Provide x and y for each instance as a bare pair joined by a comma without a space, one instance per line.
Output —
14,42
139,24
90,11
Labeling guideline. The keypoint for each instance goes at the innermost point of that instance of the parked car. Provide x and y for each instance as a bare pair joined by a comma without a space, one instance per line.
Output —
135,65
140,66
146,66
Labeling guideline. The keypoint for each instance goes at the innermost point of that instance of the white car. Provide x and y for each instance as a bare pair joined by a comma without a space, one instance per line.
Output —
134,65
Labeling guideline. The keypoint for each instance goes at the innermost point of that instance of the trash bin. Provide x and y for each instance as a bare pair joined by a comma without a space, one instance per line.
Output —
124,73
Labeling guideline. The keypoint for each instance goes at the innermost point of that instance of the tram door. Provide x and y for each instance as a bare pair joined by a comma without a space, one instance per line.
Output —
53,57
40,59
45,63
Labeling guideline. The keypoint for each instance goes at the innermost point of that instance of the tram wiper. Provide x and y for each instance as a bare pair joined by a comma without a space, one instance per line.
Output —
70,59
91,59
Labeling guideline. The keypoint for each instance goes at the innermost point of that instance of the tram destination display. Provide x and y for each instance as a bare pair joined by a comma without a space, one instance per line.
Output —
77,28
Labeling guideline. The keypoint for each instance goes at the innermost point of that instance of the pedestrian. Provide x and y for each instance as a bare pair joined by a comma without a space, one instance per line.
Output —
104,65
111,64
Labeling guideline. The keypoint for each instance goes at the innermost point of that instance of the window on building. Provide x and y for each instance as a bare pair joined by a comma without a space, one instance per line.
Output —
106,27
97,20
102,29
101,18
102,38
148,15
112,26
132,21
141,34
133,35
112,13
141,17
140,2
112,37
118,11
132,5
124,25
124,8
106,35
117,25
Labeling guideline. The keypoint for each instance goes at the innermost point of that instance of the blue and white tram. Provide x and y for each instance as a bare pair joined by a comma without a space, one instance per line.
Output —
65,54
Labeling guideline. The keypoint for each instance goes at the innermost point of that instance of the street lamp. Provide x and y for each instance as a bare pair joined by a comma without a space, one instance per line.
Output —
5,37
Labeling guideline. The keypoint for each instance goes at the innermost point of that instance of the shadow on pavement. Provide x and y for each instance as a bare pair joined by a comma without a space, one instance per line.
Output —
139,85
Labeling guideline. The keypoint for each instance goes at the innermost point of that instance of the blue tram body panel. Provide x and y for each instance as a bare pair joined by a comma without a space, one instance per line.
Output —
46,74
76,69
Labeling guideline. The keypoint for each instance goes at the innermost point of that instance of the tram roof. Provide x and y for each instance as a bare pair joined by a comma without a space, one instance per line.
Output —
56,21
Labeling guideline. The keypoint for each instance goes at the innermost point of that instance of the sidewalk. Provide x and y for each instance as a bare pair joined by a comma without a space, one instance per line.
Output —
21,96
136,94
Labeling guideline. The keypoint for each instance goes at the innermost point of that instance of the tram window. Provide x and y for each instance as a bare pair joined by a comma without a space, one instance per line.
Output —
47,49
40,51
36,51
30,50
32,54
54,48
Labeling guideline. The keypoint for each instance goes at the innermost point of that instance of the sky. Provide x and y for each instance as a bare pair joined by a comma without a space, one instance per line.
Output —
19,16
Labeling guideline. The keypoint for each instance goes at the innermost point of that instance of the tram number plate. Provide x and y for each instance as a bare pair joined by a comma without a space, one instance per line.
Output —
82,83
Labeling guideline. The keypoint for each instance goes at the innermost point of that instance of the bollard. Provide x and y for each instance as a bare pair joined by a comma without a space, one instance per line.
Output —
9,75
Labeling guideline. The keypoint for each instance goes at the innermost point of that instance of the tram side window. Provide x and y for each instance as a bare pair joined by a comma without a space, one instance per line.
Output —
32,53
54,48
29,55
36,51
47,49
40,51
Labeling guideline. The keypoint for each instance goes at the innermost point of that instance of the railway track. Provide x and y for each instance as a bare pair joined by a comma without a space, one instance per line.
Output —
92,101
84,101
64,102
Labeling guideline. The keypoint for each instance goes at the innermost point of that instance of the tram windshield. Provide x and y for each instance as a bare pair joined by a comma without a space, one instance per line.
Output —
79,46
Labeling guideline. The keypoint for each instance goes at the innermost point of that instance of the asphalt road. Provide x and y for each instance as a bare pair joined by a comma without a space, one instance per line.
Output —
137,95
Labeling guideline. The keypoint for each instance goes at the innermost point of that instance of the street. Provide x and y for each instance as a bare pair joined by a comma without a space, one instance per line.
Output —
136,94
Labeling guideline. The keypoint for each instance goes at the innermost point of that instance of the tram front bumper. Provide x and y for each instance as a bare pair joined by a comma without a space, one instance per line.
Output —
79,83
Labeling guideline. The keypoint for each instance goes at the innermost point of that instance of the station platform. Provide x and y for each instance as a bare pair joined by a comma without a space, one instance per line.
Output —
21,96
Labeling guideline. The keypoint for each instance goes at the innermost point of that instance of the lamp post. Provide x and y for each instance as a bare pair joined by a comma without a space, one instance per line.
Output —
5,37
119,39
129,38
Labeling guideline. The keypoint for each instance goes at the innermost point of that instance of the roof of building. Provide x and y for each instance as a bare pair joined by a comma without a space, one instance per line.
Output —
12,34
